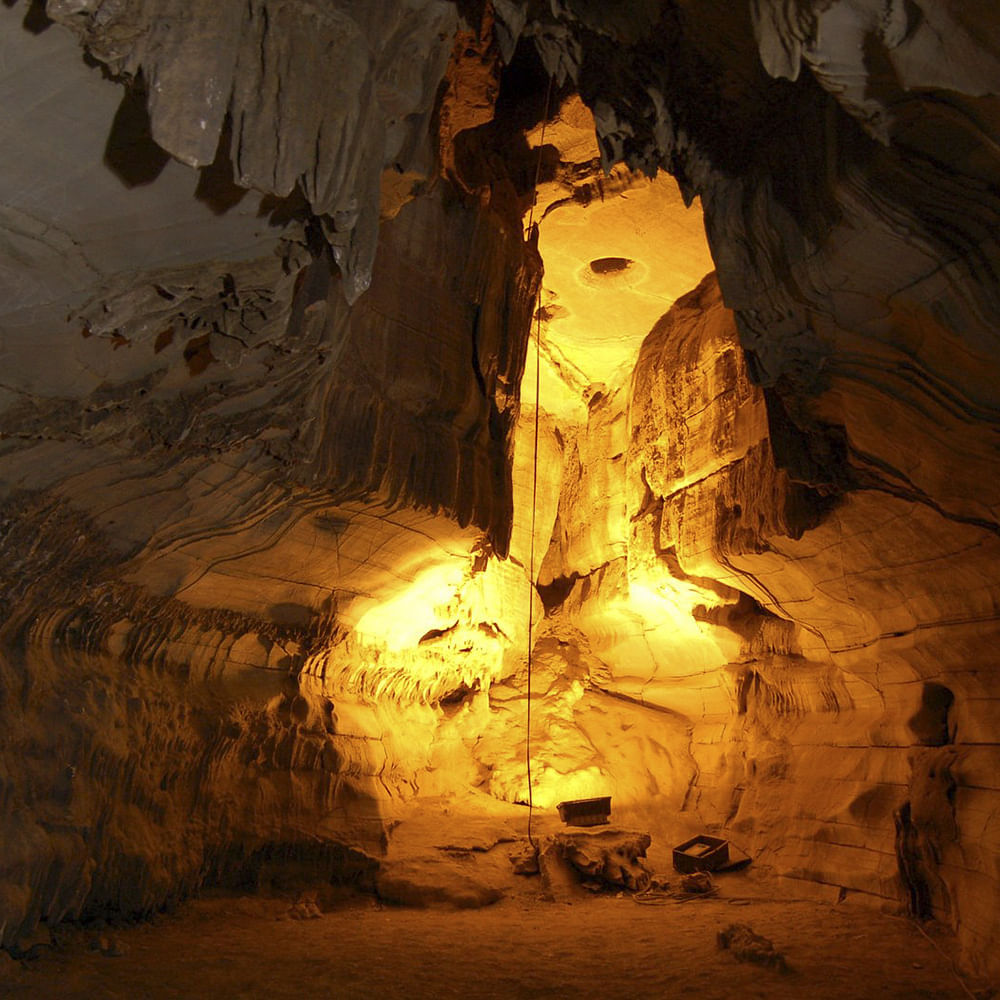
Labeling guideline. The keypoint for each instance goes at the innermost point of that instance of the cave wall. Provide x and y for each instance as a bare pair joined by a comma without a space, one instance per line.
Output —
857,738
832,506
233,459
259,471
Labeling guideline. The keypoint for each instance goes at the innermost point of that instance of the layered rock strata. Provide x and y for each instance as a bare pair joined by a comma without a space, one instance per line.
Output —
258,464
253,518
845,158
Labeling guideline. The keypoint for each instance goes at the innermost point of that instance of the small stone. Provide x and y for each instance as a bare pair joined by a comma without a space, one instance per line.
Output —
697,882
748,946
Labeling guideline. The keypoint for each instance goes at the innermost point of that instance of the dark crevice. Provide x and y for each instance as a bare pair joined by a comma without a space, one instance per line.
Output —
930,725
911,865
554,594
216,187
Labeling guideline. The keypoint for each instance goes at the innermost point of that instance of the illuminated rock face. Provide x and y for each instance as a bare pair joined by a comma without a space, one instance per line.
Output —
856,732
828,502
268,547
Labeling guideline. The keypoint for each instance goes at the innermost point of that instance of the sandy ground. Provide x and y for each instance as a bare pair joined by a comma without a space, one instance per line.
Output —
606,945
603,947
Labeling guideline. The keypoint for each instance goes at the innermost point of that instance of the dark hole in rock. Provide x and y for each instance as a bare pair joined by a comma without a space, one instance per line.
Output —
329,719
750,681
436,633
930,722
610,265
453,700
554,594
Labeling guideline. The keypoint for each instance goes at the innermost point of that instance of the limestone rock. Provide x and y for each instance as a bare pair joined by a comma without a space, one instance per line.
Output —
242,78
428,883
611,858
525,861
269,546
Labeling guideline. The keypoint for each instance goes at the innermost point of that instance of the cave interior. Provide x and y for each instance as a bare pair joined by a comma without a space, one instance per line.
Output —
416,414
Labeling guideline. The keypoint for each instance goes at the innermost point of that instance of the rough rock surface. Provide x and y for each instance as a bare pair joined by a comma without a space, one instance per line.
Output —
607,858
267,543
828,502
746,946
241,81
236,467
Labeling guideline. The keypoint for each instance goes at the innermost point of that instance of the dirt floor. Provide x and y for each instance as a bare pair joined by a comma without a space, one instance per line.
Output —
544,938
605,946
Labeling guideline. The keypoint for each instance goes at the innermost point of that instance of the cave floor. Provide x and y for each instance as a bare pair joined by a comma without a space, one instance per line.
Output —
605,946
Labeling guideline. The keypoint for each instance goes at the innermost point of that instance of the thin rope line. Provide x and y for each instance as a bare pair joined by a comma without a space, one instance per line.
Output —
947,958
531,569
538,165
534,476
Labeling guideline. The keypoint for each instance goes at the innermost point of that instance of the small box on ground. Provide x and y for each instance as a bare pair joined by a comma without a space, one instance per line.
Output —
585,812
701,854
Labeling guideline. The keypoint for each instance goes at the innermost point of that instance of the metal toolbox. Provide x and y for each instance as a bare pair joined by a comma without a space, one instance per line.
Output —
585,812
701,854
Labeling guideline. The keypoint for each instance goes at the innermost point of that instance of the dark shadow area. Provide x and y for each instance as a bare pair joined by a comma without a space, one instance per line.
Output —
497,151
130,152
289,866
453,701
912,865
554,594
471,11
281,211
287,613
198,355
35,19
216,187
930,723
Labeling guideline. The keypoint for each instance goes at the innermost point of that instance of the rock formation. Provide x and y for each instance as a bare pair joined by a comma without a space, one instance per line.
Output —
278,491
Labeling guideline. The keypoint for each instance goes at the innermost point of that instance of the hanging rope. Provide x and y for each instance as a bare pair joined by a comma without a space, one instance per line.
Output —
534,474
538,167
